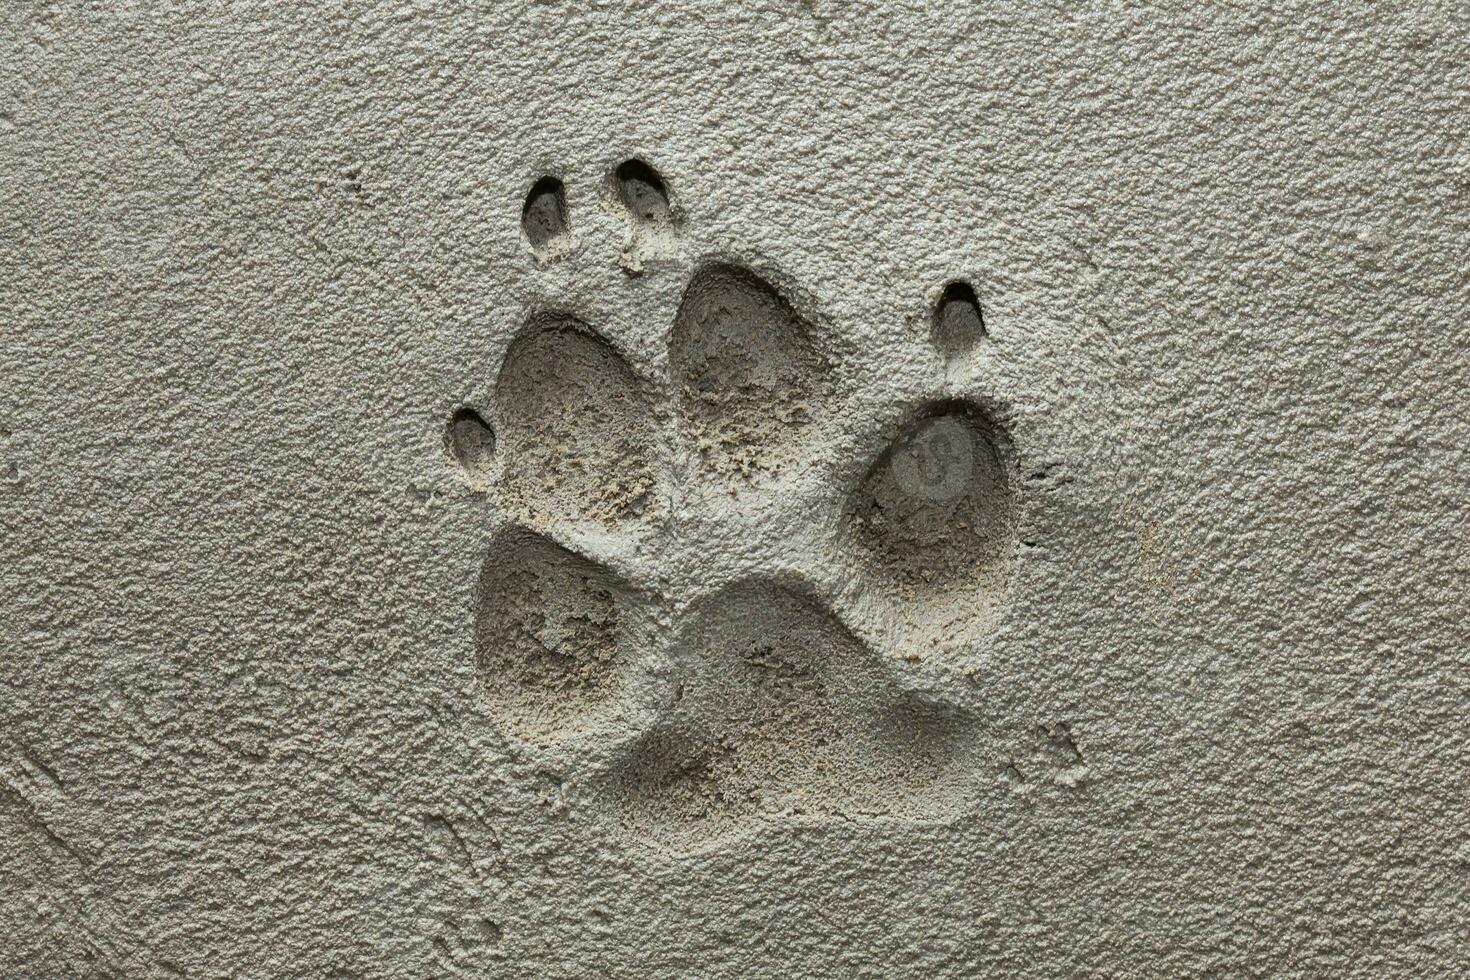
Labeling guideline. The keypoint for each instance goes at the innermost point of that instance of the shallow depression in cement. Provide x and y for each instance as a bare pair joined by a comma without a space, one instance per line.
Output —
779,710
934,518
553,635
750,378
577,427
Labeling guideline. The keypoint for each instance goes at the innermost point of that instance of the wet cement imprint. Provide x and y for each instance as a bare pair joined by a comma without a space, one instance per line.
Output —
776,709
779,711
544,219
957,325
749,377
934,519
642,192
471,443
553,635
577,431
642,195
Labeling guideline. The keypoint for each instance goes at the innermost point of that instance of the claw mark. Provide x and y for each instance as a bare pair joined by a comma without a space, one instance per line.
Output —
642,195
472,444
544,219
957,325
642,192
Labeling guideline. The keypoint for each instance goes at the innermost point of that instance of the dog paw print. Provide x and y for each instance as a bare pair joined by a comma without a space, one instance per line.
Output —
659,596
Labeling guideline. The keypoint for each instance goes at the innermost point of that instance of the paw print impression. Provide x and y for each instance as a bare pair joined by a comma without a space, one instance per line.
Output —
544,219
749,377
556,634
934,520
658,604
653,220
577,437
779,711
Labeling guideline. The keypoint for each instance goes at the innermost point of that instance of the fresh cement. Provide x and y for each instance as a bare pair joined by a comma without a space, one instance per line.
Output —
723,490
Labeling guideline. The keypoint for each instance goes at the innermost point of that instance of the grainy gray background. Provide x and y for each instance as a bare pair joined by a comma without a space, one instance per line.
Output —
254,254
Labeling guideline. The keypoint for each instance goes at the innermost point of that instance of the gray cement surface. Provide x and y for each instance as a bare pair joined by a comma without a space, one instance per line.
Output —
922,491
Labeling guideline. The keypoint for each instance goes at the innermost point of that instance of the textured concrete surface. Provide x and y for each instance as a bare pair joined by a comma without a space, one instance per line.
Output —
1189,701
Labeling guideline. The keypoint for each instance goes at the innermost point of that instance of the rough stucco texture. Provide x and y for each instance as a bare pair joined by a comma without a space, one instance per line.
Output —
1189,700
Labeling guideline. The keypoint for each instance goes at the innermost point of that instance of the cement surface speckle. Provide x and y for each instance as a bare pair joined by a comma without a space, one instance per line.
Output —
1209,720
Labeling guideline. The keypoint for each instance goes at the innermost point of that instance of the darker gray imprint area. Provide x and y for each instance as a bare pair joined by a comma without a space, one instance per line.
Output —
544,216
642,192
935,513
